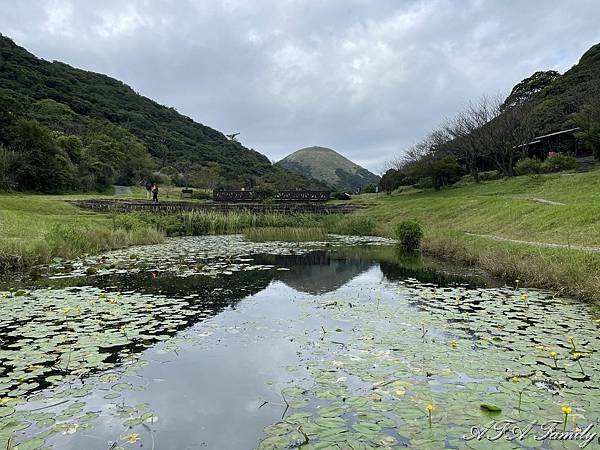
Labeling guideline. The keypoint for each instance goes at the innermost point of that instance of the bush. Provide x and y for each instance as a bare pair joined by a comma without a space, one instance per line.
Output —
528,166
263,193
424,183
409,233
490,175
202,194
558,163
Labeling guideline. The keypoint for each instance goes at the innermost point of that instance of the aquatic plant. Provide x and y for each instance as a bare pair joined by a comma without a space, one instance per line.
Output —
409,233
553,355
566,410
286,234
429,409
577,357
571,340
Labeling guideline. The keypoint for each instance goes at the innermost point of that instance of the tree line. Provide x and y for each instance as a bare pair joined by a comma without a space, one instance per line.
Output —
486,138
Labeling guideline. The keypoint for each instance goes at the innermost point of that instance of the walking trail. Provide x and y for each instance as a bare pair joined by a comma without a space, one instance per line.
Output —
582,248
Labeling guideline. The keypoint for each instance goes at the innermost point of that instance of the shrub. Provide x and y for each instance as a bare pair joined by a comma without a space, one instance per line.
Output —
202,194
558,163
409,233
490,175
263,193
424,183
528,166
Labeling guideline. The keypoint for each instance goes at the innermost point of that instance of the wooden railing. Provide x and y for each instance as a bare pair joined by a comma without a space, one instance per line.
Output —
169,207
232,196
281,196
302,196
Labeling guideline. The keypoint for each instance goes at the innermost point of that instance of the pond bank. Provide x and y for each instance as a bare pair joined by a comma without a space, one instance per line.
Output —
569,218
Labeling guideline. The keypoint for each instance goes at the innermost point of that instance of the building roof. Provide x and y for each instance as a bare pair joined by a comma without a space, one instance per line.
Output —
538,139
556,133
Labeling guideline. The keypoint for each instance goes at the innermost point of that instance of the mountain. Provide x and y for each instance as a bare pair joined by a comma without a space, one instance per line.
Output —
87,130
328,166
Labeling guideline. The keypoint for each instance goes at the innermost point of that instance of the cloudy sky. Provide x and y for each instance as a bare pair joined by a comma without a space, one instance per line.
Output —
365,77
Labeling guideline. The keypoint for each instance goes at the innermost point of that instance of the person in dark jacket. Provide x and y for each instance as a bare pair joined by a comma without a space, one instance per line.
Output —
149,189
155,193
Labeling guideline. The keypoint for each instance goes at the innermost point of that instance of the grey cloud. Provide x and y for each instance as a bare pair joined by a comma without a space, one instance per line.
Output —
364,77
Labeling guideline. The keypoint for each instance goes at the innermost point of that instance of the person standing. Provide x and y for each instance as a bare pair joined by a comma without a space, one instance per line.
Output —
154,193
149,189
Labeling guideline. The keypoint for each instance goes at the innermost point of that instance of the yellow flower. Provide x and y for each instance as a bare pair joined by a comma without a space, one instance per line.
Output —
566,409
524,297
132,438
553,354
598,321
571,338
576,355
429,407
5,400
454,344
122,328
515,379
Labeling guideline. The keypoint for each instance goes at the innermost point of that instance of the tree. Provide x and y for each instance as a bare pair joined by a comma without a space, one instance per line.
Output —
138,165
9,163
530,86
588,121
443,170
468,136
507,135
44,166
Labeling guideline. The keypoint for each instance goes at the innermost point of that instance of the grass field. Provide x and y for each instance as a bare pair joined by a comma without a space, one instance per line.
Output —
36,228
516,208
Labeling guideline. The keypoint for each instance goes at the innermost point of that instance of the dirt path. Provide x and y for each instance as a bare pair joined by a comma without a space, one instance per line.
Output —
582,248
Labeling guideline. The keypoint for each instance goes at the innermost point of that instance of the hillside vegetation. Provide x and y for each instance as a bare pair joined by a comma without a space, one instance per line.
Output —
65,129
328,166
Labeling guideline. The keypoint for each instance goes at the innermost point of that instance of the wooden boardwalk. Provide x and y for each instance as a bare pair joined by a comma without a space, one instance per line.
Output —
168,207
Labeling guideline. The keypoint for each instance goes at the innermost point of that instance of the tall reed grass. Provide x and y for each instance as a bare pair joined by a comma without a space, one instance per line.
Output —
199,223
70,241
286,234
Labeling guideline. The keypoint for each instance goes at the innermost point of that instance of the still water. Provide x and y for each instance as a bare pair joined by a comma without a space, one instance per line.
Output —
220,343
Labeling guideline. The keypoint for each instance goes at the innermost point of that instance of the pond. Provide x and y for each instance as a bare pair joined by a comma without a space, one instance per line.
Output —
219,343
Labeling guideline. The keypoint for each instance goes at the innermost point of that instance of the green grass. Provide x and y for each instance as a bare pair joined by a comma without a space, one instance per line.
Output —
503,207
506,208
287,234
34,229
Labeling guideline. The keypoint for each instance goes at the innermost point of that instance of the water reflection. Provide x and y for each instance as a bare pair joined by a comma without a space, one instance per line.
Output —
210,393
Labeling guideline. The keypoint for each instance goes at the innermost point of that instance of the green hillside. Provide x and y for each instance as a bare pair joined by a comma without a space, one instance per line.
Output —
543,229
328,166
110,131
565,94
